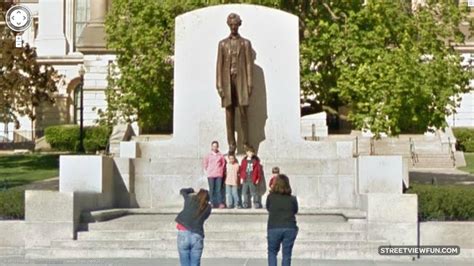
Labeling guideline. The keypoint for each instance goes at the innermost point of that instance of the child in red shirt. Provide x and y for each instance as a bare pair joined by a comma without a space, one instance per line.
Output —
250,176
275,173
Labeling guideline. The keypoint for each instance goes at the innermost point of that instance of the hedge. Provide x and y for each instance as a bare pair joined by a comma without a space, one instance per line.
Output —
464,138
66,138
12,204
444,203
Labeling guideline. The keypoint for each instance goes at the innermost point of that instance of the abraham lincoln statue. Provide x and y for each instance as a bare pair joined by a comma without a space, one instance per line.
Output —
234,79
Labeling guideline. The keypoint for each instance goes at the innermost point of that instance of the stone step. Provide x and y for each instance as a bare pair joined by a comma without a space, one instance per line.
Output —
150,214
445,159
433,155
229,244
170,226
322,253
325,254
432,165
11,252
212,235
104,252
217,217
434,162
384,153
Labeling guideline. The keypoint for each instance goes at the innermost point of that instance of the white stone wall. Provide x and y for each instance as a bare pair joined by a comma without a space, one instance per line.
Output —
372,180
95,83
464,116
391,217
91,173
318,121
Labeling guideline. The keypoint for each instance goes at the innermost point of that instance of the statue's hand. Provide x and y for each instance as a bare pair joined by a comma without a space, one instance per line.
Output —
221,93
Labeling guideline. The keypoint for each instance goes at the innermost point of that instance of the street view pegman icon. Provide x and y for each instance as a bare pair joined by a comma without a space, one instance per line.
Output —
18,18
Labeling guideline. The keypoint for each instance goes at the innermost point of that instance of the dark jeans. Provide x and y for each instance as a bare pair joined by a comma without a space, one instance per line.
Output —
248,187
281,236
215,190
190,246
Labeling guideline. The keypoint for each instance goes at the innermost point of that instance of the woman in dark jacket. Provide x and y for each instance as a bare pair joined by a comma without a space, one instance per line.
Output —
282,229
190,225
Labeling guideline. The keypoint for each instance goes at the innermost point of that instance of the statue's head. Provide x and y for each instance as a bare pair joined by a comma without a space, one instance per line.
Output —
234,22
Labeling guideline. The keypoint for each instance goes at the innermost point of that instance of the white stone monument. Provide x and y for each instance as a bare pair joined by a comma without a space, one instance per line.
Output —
322,174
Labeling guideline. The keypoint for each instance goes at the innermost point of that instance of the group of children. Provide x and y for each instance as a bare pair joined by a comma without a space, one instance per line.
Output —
244,178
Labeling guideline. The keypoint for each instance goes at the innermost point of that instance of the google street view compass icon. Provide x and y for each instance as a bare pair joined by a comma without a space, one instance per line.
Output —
18,18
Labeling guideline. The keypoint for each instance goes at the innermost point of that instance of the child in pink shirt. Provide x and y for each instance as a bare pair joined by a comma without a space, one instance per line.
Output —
232,183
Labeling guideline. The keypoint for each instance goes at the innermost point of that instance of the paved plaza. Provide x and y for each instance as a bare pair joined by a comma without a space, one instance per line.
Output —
241,262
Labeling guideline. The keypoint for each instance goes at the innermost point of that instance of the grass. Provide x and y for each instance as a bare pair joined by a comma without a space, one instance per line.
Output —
469,162
12,204
19,170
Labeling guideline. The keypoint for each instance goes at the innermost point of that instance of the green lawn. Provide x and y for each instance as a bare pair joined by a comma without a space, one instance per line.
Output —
469,162
18,170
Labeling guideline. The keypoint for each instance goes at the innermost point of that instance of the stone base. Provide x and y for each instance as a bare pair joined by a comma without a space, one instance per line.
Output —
322,175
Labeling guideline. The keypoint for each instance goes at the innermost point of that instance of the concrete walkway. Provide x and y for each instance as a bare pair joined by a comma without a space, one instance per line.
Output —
46,184
441,176
426,261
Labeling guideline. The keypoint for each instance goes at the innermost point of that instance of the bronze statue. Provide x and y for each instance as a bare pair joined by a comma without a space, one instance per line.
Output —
234,79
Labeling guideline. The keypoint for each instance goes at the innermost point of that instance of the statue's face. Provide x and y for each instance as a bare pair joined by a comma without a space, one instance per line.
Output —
234,25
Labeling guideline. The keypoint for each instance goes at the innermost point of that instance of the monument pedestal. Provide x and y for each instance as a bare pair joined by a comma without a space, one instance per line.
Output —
322,174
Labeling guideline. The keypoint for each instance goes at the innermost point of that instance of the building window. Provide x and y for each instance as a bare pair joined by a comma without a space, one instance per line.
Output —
82,15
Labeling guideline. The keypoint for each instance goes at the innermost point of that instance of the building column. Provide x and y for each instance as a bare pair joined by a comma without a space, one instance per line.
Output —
69,25
98,11
51,40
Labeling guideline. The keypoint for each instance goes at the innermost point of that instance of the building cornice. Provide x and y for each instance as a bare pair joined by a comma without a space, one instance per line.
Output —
61,60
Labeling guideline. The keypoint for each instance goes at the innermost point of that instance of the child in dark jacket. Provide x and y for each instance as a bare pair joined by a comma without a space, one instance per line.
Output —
250,176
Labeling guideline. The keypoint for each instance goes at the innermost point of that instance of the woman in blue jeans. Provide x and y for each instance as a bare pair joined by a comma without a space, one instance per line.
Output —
281,229
190,225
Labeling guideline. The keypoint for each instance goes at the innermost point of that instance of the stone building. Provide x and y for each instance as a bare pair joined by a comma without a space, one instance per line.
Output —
70,35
